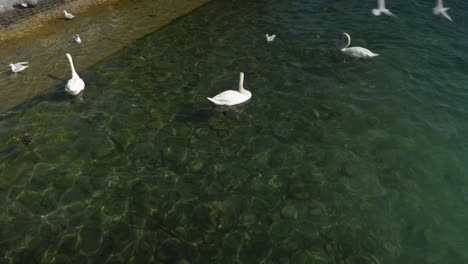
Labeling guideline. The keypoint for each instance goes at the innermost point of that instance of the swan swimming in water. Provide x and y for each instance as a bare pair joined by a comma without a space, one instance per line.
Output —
439,9
19,66
270,38
231,97
75,85
381,9
68,15
356,52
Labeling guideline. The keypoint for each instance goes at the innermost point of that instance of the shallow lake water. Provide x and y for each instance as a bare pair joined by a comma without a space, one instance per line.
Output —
331,161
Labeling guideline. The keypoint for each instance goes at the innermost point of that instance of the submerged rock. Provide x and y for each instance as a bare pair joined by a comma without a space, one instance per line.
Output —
362,260
89,240
176,251
175,153
196,165
289,211
307,257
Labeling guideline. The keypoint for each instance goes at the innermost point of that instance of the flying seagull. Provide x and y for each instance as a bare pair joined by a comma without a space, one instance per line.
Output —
439,9
381,9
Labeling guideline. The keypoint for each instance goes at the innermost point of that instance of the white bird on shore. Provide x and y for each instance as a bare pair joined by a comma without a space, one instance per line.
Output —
381,9
68,15
439,9
29,3
231,97
75,85
77,38
270,38
356,52
19,66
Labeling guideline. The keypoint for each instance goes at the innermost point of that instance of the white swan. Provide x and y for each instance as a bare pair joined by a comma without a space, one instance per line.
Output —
439,9
231,97
68,15
77,38
75,85
19,66
356,52
381,9
270,38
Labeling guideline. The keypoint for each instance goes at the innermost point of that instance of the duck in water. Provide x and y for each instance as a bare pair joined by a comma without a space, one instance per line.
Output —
26,138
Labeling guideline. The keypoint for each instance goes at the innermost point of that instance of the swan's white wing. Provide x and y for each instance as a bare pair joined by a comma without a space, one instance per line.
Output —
229,97
74,86
381,4
22,63
359,52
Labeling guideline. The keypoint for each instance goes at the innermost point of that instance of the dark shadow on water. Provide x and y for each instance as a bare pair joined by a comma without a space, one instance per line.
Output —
196,116
116,41
203,115
19,6
56,96
234,108
55,77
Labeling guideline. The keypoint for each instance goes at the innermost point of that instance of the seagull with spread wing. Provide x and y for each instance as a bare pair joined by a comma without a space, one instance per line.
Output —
439,9
381,9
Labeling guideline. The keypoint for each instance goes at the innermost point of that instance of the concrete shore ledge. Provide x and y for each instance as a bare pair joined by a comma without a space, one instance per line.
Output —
43,38
16,21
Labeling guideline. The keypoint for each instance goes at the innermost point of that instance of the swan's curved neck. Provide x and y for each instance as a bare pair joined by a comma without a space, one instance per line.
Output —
241,84
348,40
74,74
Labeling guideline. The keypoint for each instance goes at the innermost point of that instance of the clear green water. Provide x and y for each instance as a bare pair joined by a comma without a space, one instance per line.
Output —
330,162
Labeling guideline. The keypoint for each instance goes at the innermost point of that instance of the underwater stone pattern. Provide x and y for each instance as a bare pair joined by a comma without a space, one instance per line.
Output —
143,169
